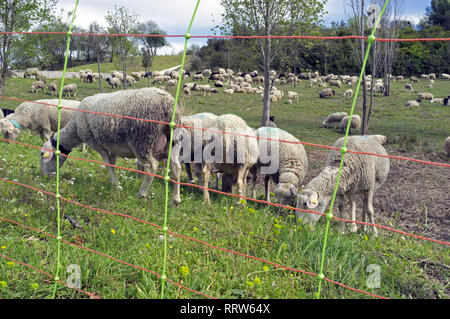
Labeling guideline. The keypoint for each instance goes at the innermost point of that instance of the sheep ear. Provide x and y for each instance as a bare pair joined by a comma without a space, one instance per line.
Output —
313,200
47,155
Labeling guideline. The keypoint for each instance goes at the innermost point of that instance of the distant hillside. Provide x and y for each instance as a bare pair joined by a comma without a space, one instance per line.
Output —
159,63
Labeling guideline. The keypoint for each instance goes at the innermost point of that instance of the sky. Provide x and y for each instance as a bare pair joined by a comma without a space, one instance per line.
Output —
173,16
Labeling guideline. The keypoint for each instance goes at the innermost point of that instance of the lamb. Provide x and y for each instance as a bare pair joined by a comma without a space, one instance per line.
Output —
408,87
114,82
326,93
30,72
37,85
438,100
70,88
238,154
334,118
37,117
431,83
447,146
424,96
411,103
171,83
116,136
53,87
361,174
187,92
355,123
348,93
291,166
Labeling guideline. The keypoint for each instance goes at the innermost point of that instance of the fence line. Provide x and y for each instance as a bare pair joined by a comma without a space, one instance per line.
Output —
306,37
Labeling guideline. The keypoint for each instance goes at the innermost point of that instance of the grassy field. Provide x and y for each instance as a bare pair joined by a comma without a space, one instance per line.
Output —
409,268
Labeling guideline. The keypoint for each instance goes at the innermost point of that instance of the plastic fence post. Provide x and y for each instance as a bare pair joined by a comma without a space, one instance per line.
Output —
58,195
343,150
172,125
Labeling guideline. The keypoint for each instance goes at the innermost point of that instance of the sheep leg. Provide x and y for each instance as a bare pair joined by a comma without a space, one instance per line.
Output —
241,181
108,159
353,227
150,168
266,188
204,181
254,178
189,172
364,216
371,212
340,207
176,171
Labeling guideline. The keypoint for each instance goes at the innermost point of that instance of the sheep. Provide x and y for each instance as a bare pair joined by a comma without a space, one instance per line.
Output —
432,76
205,88
116,136
160,79
399,78
192,131
361,174
334,118
413,79
408,87
37,85
53,87
431,83
424,96
272,121
136,75
228,91
70,88
292,96
326,93
445,76
30,72
348,93
234,154
437,100
355,123
37,117
130,80
187,92
171,83
335,83
289,162
411,103
41,78
447,146
114,82
206,72
425,77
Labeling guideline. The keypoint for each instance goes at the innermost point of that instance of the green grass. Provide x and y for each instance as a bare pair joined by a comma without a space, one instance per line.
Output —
250,229
160,62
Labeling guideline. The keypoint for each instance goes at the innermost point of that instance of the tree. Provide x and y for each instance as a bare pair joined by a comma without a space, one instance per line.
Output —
439,13
122,21
18,15
269,18
150,44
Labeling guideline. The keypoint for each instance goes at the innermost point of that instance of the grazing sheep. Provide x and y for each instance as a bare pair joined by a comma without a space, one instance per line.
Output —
41,78
198,77
70,88
238,154
187,92
205,88
425,77
413,79
438,100
136,75
424,96
447,146
431,83
382,139
116,136
30,72
171,83
114,82
37,117
411,103
53,87
348,93
228,91
292,96
291,164
334,118
361,174
432,76
399,78
160,79
272,121
326,93
335,83
408,87
355,123
445,76
35,86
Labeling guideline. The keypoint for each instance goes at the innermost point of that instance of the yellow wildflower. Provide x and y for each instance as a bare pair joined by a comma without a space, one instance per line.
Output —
113,231
184,270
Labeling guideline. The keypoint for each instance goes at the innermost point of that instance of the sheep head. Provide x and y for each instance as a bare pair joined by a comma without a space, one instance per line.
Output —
285,193
9,131
48,159
311,200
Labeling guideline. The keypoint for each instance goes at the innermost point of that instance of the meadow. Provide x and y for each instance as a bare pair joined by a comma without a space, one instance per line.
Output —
414,199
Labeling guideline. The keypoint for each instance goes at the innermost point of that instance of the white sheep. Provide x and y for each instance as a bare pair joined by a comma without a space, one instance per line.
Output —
70,88
30,72
326,93
53,87
348,93
438,100
234,154
289,162
37,117
292,96
424,96
411,103
187,92
334,118
204,88
355,123
408,87
361,174
382,139
114,82
38,85
116,136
